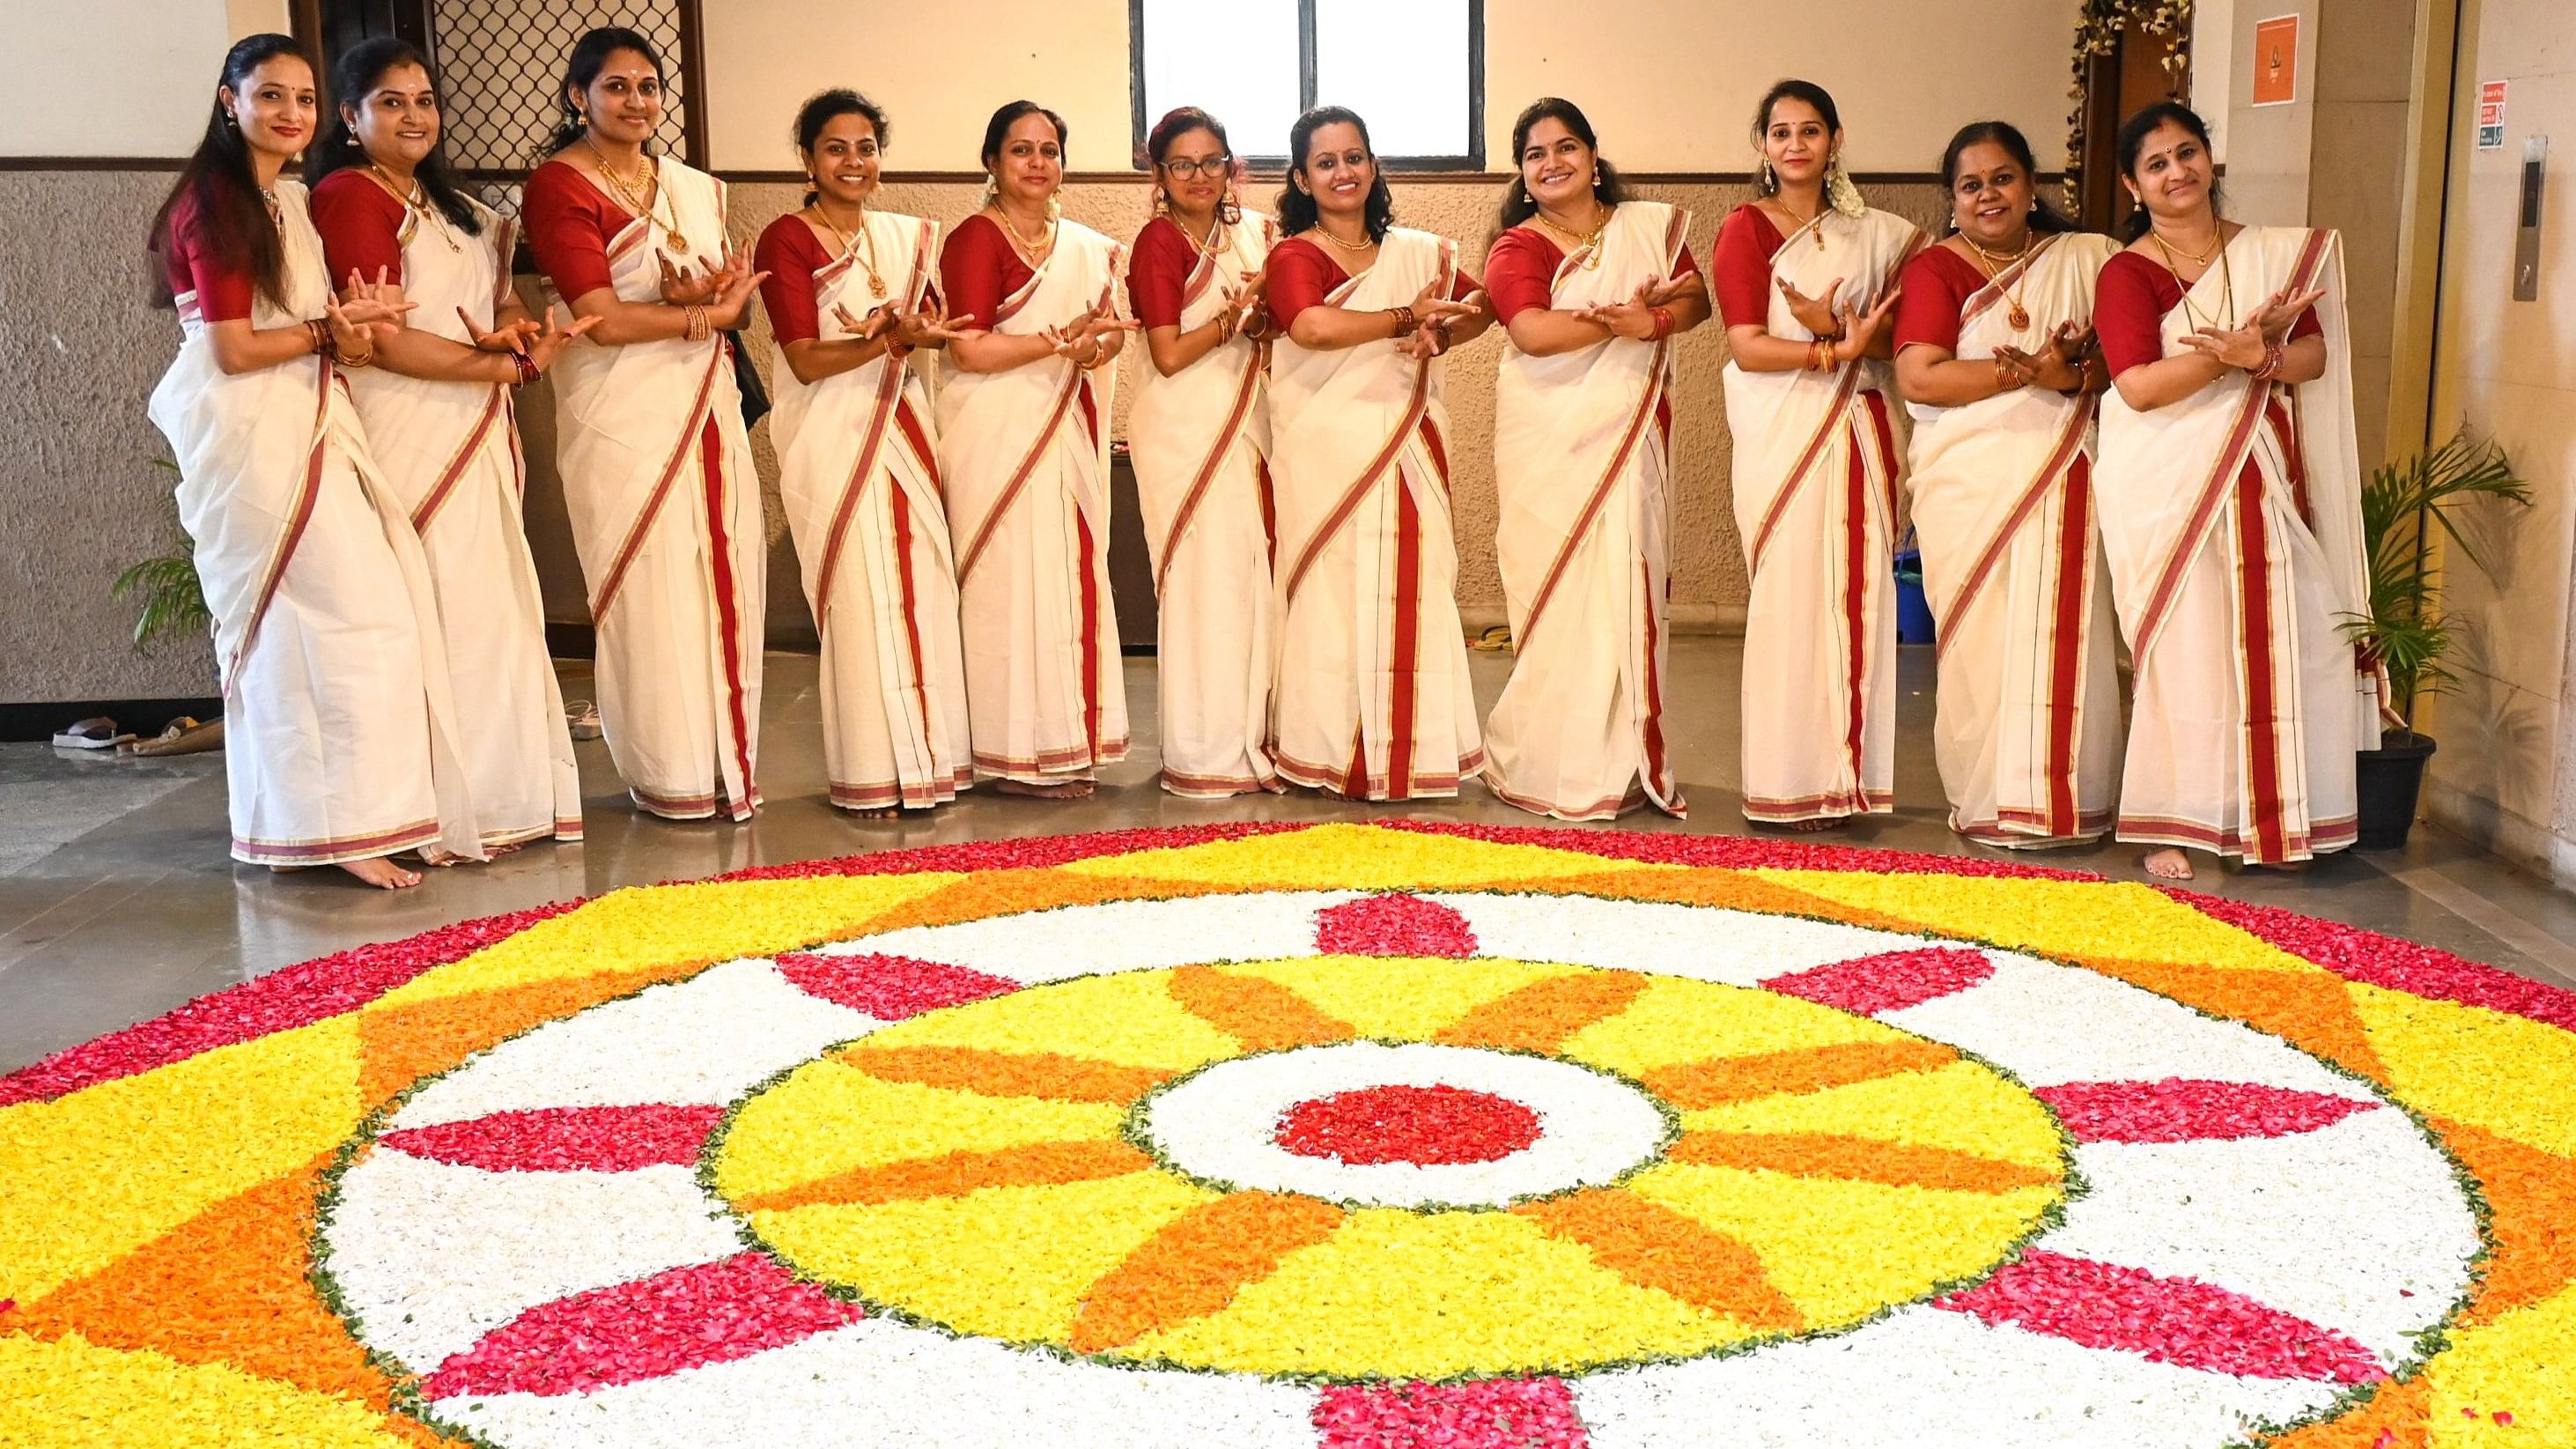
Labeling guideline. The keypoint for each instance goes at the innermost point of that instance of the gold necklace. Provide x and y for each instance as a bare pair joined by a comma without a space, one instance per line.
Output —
1031,252
418,205
1993,265
1326,233
276,209
1588,242
876,283
2226,280
1815,223
1210,247
641,196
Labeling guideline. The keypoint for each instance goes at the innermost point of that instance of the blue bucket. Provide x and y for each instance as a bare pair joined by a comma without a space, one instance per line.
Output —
1913,610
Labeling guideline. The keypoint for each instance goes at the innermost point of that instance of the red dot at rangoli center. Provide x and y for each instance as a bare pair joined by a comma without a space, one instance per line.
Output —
1427,1126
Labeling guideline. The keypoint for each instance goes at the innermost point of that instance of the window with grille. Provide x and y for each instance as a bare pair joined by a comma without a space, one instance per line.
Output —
1256,64
500,70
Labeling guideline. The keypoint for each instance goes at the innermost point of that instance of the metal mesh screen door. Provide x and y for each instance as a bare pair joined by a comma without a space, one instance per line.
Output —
500,63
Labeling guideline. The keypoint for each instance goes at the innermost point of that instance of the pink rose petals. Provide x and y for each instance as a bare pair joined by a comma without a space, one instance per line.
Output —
1736,852
889,988
282,1000
566,1139
702,1314
1890,981
1393,925
1422,1125
1484,1414
2376,960
2181,1110
2179,1321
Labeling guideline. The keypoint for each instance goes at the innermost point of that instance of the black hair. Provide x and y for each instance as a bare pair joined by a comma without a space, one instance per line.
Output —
353,80
822,109
1176,123
219,184
2044,218
588,58
2133,139
1297,209
1790,90
998,129
1518,205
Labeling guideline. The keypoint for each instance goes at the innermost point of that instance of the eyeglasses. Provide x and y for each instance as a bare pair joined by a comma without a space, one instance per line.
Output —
1186,170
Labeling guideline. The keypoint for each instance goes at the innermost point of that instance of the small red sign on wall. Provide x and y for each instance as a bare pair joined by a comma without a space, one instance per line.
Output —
2276,60
2491,115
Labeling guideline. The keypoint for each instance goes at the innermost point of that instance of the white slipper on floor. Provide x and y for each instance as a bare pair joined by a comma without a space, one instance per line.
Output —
581,719
90,734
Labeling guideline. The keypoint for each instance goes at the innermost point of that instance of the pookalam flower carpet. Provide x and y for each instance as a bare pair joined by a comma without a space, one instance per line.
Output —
1333,1137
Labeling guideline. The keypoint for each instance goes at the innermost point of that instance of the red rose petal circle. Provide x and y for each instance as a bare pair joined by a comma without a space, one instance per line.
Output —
1393,925
627,1332
1426,1126
1484,1414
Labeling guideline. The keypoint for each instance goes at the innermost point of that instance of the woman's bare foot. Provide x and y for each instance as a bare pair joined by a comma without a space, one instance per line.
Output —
2167,863
877,812
1064,790
382,873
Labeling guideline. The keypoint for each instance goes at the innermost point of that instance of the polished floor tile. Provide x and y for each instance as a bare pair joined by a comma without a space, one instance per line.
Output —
117,902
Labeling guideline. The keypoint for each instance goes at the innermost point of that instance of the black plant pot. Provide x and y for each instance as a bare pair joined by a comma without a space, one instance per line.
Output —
2389,779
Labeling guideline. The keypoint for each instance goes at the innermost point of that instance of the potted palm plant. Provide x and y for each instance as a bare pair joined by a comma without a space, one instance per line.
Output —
168,596
2404,626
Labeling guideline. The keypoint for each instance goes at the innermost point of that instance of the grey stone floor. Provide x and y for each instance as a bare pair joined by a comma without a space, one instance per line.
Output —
117,902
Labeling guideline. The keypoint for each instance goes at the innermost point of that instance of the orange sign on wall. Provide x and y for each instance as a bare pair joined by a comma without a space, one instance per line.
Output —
2276,60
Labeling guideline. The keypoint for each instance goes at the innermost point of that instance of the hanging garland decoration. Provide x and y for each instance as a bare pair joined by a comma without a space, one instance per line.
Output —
2098,28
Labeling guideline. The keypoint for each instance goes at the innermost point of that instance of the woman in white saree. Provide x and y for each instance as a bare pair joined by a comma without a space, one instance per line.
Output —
848,297
340,735
1200,438
1806,279
1591,286
1024,403
2231,514
656,464
1372,700
438,411
1992,347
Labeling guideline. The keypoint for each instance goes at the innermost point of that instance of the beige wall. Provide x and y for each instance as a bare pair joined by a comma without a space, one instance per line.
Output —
1670,86
2506,773
162,54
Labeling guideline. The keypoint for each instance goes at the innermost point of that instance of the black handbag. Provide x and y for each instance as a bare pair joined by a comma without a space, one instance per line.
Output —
746,380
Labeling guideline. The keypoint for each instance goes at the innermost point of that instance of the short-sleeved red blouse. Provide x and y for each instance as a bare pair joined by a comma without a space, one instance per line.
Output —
978,267
1302,276
1160,273
569,223
188,260
361,225
791,254
1938,283
2129,307
1520,271
1746,242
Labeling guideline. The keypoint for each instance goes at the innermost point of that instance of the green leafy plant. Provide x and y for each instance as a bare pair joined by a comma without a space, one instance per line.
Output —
165,588
2400,506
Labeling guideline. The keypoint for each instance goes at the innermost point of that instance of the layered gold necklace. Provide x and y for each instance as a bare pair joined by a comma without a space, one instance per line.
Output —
1585,242
1994,264
417,203
868,263
2226,278
1326,233
641,195
1031,252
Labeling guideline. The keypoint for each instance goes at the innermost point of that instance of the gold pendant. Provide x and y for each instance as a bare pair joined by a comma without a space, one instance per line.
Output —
2020,317
876,285
679,243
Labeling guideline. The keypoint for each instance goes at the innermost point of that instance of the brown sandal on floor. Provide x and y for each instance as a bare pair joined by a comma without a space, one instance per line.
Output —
184,736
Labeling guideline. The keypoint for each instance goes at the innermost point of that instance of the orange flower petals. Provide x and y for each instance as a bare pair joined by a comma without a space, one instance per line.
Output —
1007,1074
1540,1017
1262,1014
1195,1265
1653,1246
1723,1080
954,1174
1857,1159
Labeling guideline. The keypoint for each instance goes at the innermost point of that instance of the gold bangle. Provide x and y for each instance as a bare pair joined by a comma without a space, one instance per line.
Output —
698,330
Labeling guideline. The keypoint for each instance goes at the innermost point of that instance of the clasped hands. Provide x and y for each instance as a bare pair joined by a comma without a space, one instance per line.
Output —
1433,313
1851,326
2058,366
725,289
1085,340
1247,308
903,328
1635,317
2248,345
368,312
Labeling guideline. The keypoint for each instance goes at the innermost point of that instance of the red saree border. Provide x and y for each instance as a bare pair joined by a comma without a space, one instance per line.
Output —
2070,442
1011,491
1837,415
330,850
890,379
1215,459
436,499
654,501
299,517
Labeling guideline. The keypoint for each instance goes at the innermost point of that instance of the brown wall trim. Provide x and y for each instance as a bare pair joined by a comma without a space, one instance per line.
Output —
93,163
1481,178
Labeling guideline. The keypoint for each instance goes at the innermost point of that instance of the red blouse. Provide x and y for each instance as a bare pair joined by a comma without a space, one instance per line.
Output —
1520,271
1164,258
1746,242
791,254
188,260
978,267
1301,276
569,223
2129,307
1938,283
361,225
